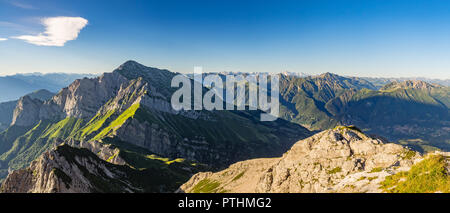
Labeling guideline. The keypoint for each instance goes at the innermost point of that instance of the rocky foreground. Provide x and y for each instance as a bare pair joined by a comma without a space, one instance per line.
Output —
67,169
340,160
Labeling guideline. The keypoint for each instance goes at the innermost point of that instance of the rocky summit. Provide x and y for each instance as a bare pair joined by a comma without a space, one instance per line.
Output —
339,160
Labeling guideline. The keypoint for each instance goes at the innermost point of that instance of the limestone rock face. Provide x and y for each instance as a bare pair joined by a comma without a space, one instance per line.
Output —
82,99
67,170
85,96
105,152
339,160
26,112
29,112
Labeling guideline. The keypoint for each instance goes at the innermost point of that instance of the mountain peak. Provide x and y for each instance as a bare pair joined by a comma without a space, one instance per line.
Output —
328,75
131,64
132,69
337,82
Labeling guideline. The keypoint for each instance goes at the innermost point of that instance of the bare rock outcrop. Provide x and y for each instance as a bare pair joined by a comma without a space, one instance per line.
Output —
68,170
339,160
82,99
85,96
26,112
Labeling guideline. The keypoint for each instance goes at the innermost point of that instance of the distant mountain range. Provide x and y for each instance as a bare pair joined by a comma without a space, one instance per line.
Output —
118,133
15,86
412,112
380,82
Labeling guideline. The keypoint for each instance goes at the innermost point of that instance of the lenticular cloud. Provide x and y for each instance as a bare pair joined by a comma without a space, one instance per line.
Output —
58,30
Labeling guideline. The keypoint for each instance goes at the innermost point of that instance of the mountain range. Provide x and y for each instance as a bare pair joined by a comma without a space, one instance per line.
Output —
118,133
13,87
126,116
411,112
380,82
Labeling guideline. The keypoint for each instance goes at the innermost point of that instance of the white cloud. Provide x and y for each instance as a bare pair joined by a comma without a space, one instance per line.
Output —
58,30
3,39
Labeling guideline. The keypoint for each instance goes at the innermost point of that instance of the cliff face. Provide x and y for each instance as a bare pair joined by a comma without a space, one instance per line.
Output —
26,112
339,160
7,108
85,96
81,99
67,169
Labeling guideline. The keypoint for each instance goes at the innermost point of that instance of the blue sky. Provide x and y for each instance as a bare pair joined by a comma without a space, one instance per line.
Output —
362,37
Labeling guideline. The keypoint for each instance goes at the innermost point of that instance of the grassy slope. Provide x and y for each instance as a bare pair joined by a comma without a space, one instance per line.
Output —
229,128
28,145
427,176
225,130
19,148
7,138
145,171
39,139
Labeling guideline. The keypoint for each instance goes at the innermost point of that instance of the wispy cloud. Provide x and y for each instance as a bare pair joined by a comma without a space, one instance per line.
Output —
3,39
22,5
58,31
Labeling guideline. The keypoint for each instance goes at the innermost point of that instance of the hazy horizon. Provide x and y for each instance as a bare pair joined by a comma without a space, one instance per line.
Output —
306,73
387,39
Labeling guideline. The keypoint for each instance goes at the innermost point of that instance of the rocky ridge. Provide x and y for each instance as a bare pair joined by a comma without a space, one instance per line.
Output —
339,160
81,99
68,170
410,84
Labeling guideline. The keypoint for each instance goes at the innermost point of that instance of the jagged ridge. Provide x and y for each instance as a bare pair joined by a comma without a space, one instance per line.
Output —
339,160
